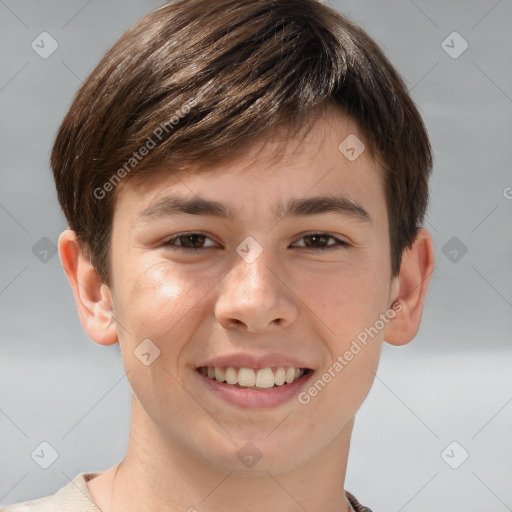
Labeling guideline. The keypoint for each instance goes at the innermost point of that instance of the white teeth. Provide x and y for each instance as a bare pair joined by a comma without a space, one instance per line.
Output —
247,377
280,376
265,378
220,375
231,375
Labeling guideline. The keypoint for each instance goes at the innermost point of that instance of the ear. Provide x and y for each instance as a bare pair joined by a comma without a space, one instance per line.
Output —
93,298
409,290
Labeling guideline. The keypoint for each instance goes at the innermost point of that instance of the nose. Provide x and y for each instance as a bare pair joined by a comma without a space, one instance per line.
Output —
256,297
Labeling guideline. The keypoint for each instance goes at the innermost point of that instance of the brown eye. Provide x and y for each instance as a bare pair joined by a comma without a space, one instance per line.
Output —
188,241
319,241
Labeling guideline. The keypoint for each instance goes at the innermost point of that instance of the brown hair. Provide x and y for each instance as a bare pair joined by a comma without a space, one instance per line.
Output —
194,79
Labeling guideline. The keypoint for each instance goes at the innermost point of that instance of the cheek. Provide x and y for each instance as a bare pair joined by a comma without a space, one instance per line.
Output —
345,300
159,302
162,305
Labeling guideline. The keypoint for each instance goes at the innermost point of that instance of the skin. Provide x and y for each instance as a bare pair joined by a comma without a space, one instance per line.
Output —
184,440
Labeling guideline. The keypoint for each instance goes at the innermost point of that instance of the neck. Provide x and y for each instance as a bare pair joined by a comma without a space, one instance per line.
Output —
159,475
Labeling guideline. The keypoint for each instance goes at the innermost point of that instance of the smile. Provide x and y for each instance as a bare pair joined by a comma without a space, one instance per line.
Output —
254,387
260,378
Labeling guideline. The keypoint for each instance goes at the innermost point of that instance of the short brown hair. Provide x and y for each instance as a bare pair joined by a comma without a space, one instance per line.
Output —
208,77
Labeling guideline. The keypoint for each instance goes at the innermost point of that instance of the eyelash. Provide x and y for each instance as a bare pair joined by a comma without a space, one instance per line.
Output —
171,245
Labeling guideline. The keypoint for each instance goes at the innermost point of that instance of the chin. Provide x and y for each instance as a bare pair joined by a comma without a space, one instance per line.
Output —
255,459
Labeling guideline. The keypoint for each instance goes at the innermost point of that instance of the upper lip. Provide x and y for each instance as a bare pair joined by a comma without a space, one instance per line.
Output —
254,361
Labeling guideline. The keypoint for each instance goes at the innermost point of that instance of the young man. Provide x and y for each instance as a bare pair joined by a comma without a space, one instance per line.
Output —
244,184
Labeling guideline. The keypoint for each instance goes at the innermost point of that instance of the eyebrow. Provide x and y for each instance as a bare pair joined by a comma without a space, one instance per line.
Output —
317,205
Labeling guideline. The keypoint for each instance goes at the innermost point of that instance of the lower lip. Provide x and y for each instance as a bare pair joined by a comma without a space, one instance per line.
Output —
254,398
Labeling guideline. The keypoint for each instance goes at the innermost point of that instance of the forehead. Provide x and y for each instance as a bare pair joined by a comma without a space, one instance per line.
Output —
279,164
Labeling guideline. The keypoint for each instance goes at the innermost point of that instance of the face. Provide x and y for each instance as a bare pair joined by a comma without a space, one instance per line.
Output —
286,281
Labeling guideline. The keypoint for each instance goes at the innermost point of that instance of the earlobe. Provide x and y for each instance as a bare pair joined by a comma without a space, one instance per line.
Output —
93,298
411,290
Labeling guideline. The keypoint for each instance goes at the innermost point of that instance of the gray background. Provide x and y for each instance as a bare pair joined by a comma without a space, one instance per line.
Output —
452,383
